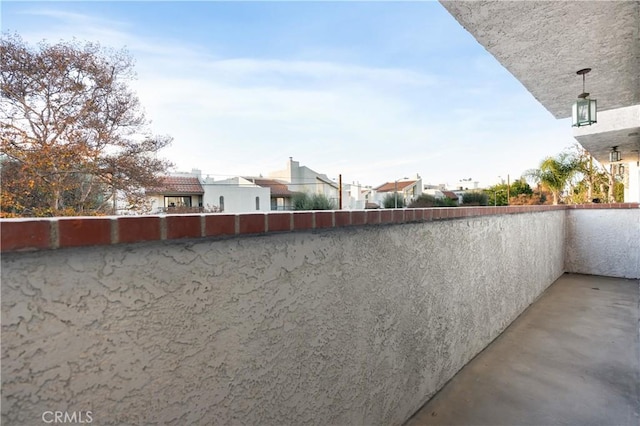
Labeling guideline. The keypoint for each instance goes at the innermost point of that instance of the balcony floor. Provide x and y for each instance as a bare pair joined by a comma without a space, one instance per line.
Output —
572,358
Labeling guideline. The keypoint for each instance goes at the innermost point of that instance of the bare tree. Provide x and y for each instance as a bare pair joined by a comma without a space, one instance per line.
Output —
73,135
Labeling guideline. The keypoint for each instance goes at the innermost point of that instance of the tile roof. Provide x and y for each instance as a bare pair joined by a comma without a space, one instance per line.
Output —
391,186
278,188
178,185
450,194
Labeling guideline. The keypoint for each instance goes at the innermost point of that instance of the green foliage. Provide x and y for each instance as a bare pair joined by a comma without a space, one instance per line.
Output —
592,180
574,177
497,195
321,202
556,173
423,200
426,200
520,186
618,192
304,201
475,199
301,201
445,202
391,201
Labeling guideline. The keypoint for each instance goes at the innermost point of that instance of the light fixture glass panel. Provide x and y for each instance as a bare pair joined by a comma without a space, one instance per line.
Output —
583,112
593,111
614,156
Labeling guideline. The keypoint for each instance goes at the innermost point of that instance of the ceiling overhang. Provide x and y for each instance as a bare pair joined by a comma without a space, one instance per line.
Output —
544,43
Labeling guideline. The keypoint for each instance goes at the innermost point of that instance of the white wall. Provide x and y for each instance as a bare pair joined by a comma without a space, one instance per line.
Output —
157,202
238,197
352,196
434,192
355,326
632,187
303,179
603,242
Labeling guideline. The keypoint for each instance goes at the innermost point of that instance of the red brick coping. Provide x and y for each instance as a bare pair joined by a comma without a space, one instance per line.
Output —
28,234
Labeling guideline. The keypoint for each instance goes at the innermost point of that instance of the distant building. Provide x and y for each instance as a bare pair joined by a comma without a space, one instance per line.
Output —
303,179
235,195
188,192
452,196
407,189
355,196
280,194
181,192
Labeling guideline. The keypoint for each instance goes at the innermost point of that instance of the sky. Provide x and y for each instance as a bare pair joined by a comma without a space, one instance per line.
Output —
374,91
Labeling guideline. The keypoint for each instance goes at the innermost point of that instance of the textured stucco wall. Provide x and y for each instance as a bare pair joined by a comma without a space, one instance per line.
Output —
349,326
603,242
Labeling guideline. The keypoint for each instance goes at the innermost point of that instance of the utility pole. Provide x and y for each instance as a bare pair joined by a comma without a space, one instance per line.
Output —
340,189
395,196
508,189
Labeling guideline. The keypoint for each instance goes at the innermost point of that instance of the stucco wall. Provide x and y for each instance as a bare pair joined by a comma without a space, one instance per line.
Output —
237,199
349,326
603,242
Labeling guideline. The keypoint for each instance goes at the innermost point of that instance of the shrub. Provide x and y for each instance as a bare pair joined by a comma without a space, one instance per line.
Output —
321,202
304,201
423,200
475,199
426,200
301,201
389,201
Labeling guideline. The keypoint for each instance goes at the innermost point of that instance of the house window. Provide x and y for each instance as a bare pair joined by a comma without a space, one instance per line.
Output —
221,203
257,203
177,202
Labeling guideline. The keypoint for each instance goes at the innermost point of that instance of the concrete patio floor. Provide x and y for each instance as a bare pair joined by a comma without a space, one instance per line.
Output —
572,358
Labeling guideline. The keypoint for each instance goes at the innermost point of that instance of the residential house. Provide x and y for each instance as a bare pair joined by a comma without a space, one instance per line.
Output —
407,189
186,192
370,196
453,196
281,196
180,193
354,196
435,191
235,195
303,179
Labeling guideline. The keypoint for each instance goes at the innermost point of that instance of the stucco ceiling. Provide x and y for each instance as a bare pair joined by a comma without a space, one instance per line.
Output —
599,145
544,43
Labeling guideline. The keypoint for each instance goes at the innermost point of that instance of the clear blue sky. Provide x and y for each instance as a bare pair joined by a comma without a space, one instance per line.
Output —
375,91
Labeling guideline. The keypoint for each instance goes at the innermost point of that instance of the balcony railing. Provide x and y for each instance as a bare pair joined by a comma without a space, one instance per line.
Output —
319,317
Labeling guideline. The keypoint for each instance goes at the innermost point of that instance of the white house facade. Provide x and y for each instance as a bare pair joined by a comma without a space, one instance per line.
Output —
303,179
408,189
235,195
189,192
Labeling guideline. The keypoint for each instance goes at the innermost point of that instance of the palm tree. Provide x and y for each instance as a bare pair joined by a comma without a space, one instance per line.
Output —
555,173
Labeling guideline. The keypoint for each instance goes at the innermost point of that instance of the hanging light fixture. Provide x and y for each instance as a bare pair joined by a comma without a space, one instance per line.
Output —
584,112
614,155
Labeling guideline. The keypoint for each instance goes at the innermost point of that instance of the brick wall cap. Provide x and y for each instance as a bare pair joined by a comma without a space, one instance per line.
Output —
329,219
